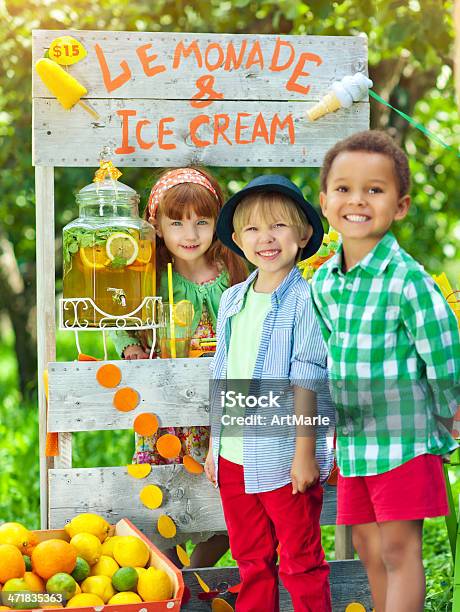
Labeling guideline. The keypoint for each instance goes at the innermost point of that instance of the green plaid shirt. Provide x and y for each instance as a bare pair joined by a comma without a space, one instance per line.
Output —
393,358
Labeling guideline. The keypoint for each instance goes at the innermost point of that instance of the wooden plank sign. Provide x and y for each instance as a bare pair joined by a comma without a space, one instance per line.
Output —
216,99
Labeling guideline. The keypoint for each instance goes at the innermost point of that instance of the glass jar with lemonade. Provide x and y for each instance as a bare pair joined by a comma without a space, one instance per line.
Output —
108,256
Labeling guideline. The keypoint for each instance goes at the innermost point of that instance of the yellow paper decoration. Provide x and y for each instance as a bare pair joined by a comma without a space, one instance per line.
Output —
107,169
151,496
139,470
66,51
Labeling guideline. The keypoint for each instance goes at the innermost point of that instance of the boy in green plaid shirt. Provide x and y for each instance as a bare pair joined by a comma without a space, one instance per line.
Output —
394,364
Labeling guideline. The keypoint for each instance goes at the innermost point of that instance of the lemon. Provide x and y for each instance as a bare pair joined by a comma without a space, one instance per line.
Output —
100,586
94,257
106,566
78,589
183,313
125,579
109,543
88,547
140,570
122,246
131,551
125,598
88,523
154,585
16,535
85,600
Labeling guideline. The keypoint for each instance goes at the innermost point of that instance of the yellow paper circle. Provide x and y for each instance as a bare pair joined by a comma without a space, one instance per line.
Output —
183,556
139,470
166,526
151,496
355,607
66,51
202,583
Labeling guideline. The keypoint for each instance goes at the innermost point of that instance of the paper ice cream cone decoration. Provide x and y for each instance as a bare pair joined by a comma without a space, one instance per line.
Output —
342,95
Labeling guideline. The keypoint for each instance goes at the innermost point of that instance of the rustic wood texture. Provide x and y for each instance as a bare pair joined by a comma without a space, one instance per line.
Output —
46,323
176,390
343,543
348,584
339,55
190,500
71,138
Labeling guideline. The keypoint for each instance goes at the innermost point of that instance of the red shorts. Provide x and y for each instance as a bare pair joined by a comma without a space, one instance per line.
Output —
414,490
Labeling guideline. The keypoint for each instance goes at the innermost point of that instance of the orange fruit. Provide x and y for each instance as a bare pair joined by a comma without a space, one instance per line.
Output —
145,252
94,257
33,541
12,564
53,556
34,582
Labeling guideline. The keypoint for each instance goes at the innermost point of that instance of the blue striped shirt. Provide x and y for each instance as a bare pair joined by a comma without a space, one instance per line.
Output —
291,350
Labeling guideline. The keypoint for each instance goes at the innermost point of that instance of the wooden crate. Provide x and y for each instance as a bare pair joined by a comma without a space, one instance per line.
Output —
124,527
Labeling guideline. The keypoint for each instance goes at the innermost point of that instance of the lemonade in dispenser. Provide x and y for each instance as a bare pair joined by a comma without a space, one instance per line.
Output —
108,257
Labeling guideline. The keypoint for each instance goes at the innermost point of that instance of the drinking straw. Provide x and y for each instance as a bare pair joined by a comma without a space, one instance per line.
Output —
171,312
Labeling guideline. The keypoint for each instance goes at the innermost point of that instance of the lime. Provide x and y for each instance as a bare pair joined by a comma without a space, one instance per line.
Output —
122,247
28,563
125,579
82,570
62,583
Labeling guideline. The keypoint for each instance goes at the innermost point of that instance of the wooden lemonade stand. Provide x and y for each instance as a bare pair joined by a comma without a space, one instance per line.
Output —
168,99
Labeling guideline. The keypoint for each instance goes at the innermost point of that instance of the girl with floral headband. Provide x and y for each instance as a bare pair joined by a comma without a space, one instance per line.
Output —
183,206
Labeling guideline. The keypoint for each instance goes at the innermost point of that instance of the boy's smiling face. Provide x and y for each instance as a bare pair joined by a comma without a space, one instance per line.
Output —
362,198
271,245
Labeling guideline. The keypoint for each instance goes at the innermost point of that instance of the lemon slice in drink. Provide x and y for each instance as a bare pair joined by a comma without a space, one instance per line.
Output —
122,246
145,252
183,313
94,257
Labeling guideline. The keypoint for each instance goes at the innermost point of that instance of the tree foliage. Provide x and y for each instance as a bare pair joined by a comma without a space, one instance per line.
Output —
410,51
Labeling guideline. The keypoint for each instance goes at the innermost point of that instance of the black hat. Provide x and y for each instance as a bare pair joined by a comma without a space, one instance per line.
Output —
264,183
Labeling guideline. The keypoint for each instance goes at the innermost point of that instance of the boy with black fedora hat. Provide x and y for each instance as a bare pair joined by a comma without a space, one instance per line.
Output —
269,458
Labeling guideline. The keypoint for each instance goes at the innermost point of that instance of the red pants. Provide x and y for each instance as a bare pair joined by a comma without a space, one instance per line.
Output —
256,522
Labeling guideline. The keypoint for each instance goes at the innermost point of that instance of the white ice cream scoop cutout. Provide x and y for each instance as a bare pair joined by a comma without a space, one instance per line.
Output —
342,95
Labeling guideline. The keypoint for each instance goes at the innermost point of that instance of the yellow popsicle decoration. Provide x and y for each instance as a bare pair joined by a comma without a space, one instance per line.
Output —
62,85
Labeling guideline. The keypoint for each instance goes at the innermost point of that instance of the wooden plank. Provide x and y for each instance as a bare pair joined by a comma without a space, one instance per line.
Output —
78,403
190,500
348,584
321,59
44,197
343,543
259,134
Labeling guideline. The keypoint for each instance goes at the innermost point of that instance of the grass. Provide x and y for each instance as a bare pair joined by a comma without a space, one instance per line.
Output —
19,476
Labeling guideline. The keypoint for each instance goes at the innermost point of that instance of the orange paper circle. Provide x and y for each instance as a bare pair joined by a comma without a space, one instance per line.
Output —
169,446
145,424
151,496
192,465
220,605
126,399
108,375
